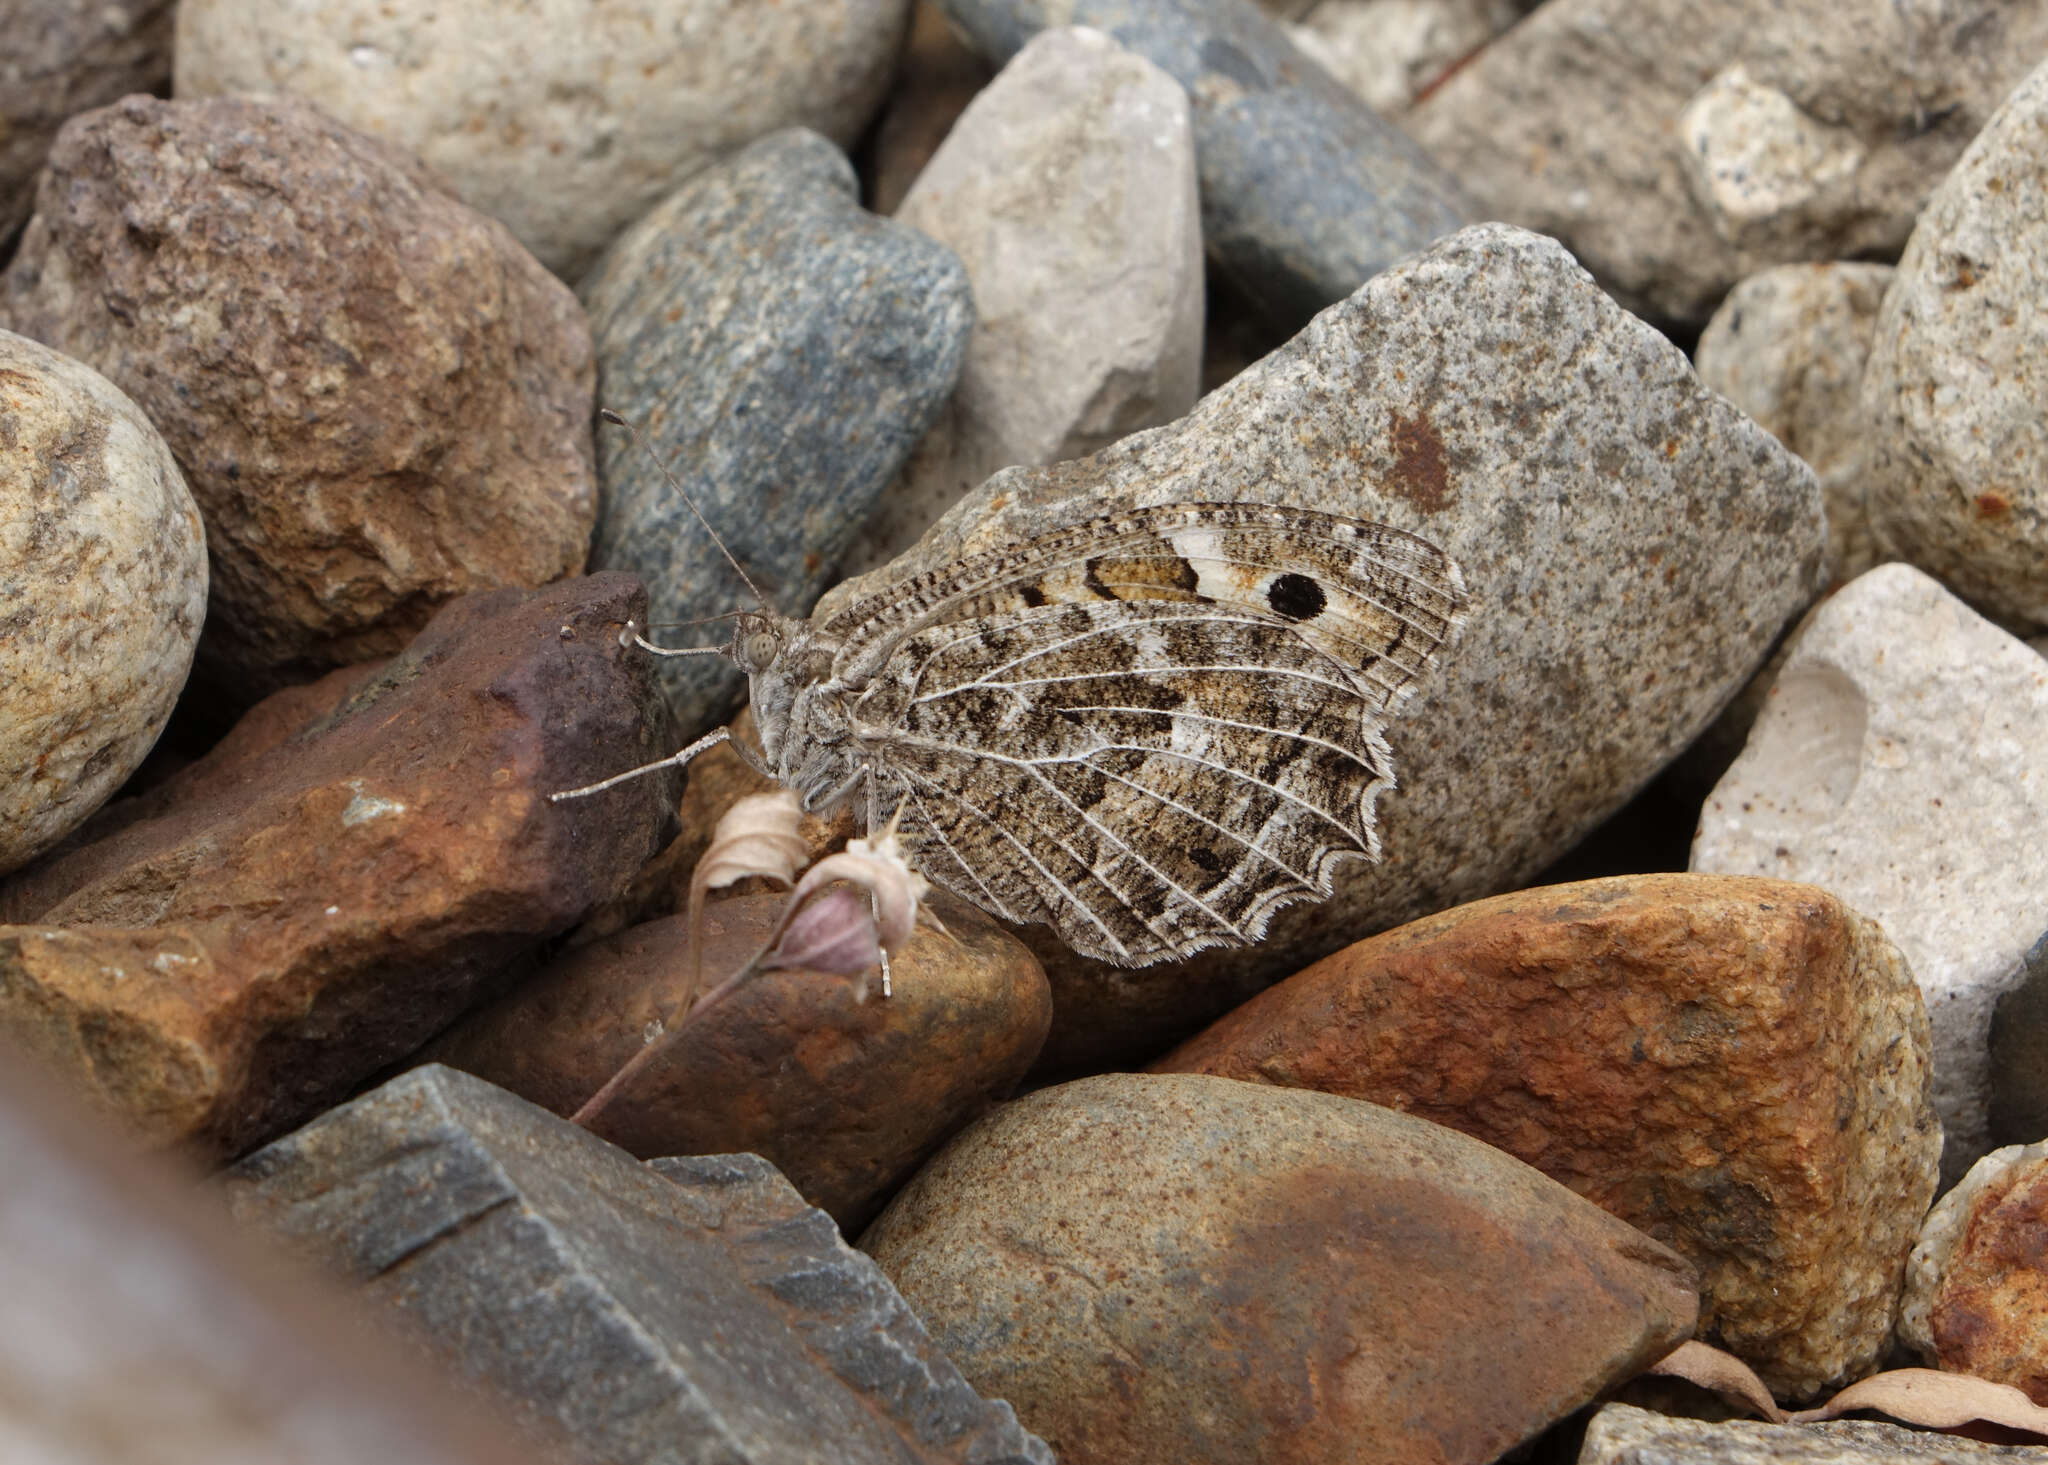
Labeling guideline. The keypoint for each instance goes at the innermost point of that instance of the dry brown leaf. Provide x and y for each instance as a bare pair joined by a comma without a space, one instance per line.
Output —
1936,1400
1719,1373
756,836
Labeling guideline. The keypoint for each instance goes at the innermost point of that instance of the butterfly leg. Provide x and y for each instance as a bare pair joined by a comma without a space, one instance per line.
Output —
875,910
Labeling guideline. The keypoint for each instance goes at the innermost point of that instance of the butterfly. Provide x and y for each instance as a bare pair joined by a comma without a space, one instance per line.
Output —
1149,731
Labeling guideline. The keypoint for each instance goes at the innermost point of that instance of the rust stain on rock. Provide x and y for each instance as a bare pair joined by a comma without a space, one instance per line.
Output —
1421,473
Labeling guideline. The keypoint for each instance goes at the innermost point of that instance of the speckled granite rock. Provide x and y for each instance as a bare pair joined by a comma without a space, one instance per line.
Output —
1899,762
1306,192
1631,543
1393,51
1737,1067
783,350
102,591
564,121
1959,443
1788,347
1621,1434
1068,191
242,945
844,1095
1699,141
380,400
696,1312
63,57
1166,1268
1977,1295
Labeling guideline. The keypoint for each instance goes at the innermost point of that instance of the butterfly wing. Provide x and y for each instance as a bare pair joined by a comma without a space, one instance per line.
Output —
1152,731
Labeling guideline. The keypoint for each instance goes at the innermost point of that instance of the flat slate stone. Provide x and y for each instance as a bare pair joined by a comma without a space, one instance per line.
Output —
697,1312
1307,193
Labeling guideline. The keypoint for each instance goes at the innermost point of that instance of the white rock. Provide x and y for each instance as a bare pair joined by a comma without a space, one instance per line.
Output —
566,119
1676,146
102,592
1901,761
1959,375
1390,51
1788,347
1067,188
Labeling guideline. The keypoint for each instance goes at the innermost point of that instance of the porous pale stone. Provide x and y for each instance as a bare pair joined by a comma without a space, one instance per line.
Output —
1738,1067
783,350
1621,1434
102,592
1676,146
1392,51
380,401
1306,191
564,119
1976,1297
1068,191
1632,545
695,1310
1899,762
1788,347
1959,371
1162,1268
60,58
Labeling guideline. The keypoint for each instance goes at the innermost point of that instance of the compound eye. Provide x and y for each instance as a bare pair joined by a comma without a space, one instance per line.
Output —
760,648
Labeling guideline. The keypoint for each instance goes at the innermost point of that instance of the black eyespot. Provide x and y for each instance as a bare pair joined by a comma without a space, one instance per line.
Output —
1296,597
1031,595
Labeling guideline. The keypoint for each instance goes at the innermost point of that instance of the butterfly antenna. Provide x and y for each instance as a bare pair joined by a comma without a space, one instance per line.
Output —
640,442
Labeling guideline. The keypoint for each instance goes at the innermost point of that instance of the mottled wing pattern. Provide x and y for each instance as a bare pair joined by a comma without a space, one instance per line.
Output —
1152,731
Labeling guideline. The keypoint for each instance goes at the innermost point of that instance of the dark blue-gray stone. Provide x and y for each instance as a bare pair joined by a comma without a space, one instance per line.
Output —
2019,1054
1307,193
783,350
698,1311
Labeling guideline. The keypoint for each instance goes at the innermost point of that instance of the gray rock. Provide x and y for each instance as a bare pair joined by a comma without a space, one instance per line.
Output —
1959,452
1162,1268
1788,347
380,401
1392,51
565,124
1898,763
698,1312
2019,1054
1632,545
102,592
64,57
1068,191
1676,146
1306,192
783,351
1621,1434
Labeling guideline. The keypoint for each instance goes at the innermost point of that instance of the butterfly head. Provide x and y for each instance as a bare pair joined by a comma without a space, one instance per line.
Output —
757,639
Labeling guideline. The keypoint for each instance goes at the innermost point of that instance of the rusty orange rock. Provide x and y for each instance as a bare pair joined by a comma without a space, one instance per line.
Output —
1977,1293
227,954
844,1096
1737,1066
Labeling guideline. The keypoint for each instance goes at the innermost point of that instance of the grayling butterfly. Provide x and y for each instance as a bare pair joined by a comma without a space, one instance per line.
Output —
1149,731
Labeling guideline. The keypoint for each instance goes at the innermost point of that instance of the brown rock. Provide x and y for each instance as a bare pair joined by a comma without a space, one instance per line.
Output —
1179,1268
61,58
1737,1066
379,399
242,945
1977,1292
844,1096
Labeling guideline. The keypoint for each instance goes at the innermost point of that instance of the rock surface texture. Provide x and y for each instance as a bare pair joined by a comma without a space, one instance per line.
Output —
1977,1295
1788,346
1959,443
1699,141
1165,1268
1393,51
361,859
63,58
1306,192
102,592
694,1311
566,119
380,400
783,350
1899,764
1737,1067
842,1090
1621,1434
1631,545
1068,191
